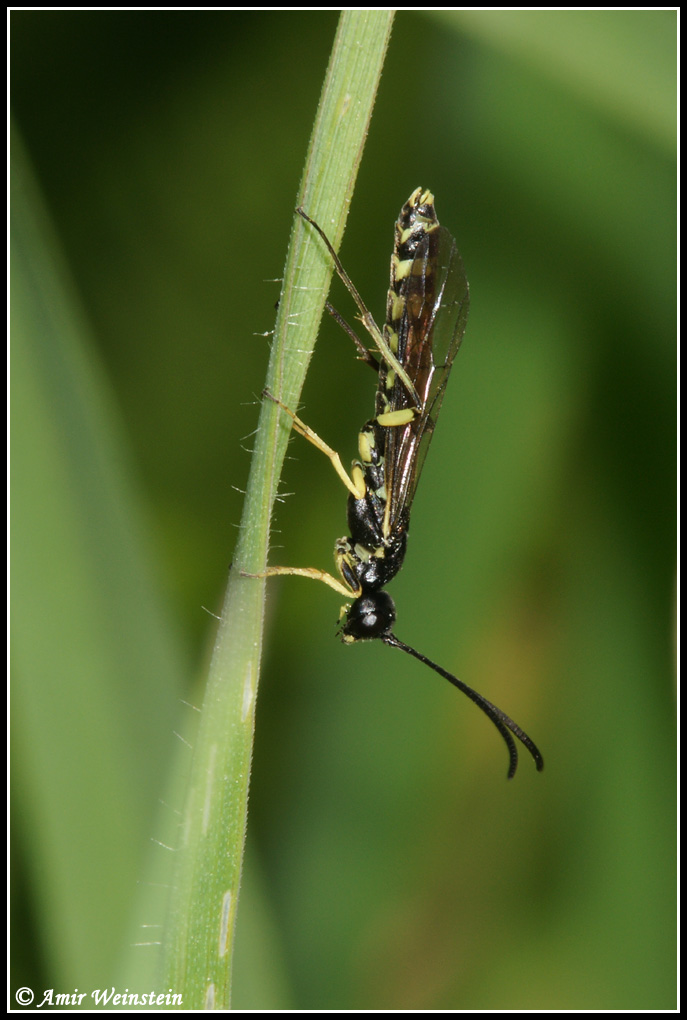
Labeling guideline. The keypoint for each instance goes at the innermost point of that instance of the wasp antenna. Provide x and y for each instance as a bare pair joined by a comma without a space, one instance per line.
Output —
503,723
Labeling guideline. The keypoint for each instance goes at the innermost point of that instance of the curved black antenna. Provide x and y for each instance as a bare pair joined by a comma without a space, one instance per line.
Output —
501,721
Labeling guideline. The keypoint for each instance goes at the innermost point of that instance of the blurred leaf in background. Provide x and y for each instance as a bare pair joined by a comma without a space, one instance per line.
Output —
395,868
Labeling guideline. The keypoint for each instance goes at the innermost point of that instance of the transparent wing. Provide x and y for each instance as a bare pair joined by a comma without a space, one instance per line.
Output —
432,328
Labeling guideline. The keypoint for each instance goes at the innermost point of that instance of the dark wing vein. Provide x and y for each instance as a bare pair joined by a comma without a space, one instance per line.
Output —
430,334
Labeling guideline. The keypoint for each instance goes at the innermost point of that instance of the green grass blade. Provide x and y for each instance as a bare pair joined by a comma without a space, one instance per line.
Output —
200,934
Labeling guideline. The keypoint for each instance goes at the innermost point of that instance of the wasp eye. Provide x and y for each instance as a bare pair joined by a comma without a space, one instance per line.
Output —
369,617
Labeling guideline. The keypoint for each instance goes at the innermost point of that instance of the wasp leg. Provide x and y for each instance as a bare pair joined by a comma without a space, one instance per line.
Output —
363,353
312,572
366,317
358,490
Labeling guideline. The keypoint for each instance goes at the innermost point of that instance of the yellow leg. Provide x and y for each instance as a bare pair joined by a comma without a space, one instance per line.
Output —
311,572
365,317
312,437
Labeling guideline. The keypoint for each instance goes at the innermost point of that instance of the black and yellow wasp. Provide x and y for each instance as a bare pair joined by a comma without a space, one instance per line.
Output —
426,315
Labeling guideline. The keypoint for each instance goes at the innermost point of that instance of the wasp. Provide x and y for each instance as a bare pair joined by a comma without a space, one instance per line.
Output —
426,315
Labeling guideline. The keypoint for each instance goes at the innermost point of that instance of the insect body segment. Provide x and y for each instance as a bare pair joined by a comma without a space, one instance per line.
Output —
426,315
427,277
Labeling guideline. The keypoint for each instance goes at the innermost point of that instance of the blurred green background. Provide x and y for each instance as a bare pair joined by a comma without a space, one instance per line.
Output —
390,864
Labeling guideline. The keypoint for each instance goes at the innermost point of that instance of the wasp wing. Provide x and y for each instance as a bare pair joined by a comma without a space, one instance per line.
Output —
436,302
